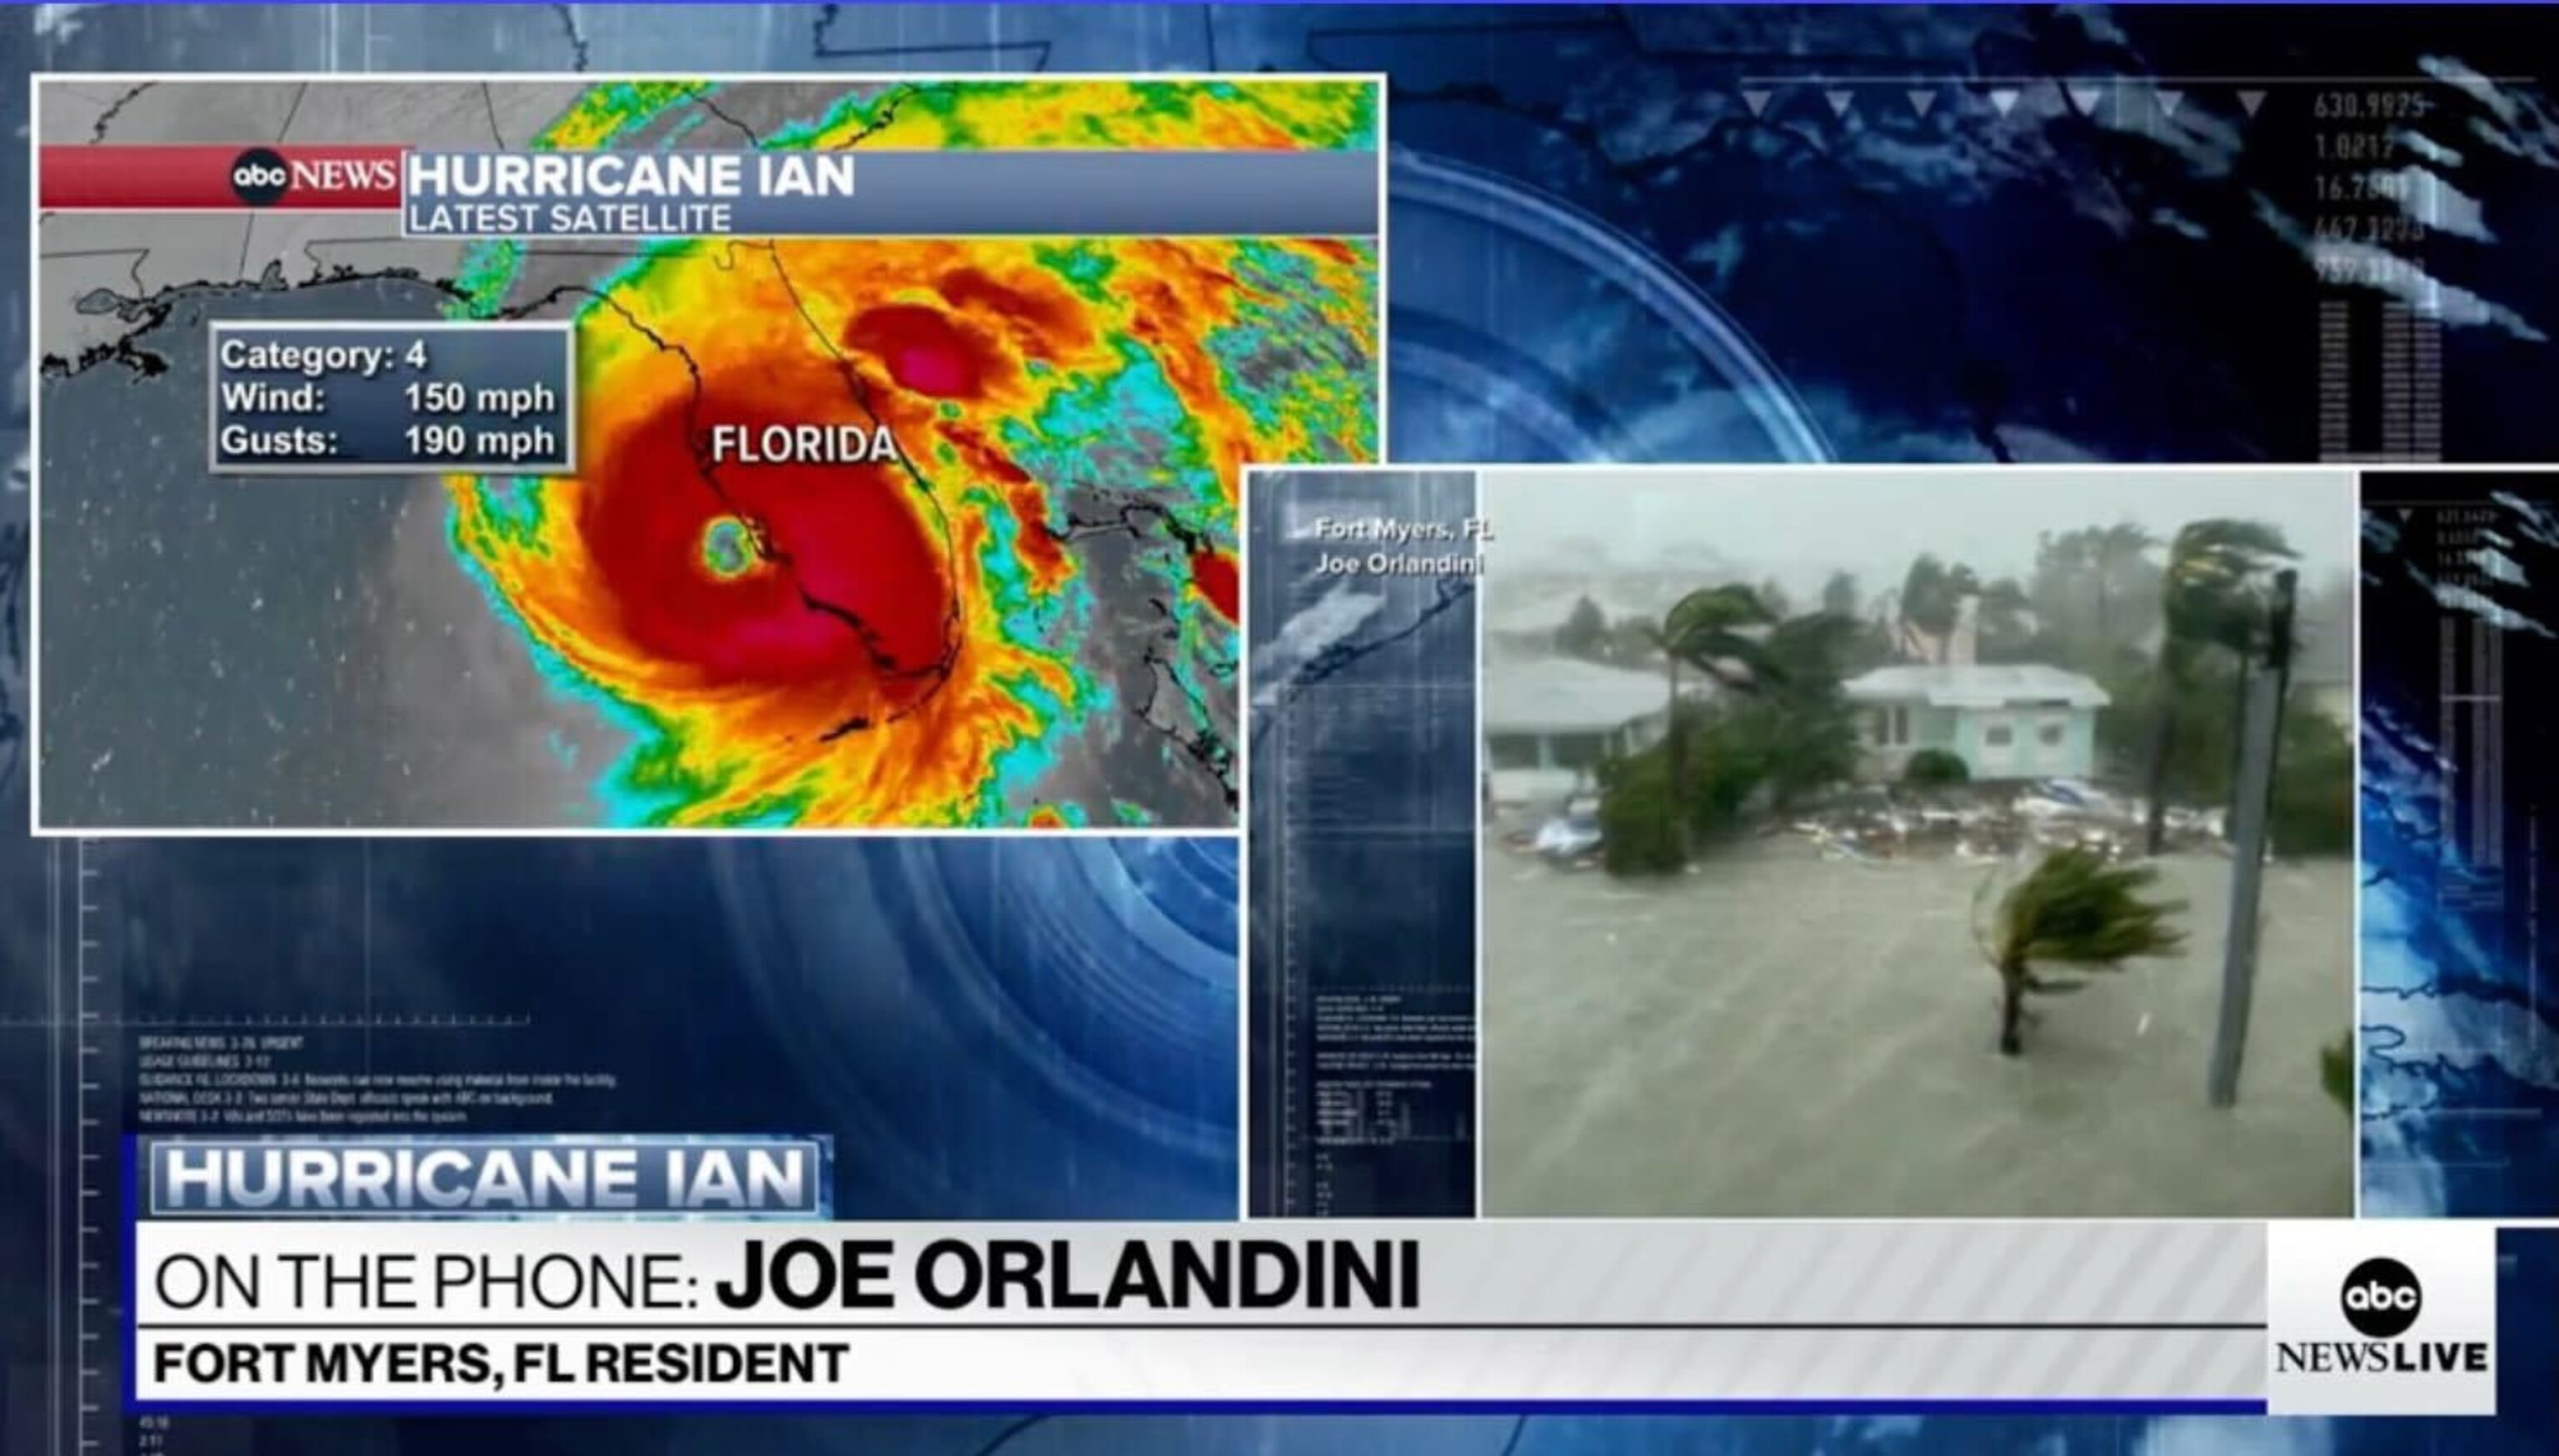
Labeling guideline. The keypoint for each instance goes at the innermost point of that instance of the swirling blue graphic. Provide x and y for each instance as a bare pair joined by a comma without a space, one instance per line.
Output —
1063,1010
1523,329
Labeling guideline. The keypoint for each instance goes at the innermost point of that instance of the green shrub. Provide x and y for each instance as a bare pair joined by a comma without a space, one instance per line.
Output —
1792,746
1741,757
1639,828
2337,1070
1726,766
1934,767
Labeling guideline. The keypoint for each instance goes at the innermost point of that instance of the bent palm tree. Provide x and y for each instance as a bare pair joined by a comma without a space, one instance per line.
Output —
2072,910
1710,630
2212,596
1807,653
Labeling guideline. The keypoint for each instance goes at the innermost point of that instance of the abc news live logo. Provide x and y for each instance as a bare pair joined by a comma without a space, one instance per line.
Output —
2383,1300
260,177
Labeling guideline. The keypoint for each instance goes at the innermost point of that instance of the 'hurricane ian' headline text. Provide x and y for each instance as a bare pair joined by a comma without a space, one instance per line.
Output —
612,194
486,1177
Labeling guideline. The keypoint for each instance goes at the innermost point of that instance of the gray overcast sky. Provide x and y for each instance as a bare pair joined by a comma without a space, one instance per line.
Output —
1800,525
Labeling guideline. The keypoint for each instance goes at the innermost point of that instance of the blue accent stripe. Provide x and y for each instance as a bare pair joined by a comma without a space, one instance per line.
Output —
1208,1407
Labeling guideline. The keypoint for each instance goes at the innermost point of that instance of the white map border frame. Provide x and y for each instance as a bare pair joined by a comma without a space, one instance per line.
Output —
36,81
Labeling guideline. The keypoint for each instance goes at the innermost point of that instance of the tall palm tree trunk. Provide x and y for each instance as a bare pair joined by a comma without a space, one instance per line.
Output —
1679,766
2162,732
2012,1008
1679,738
2171,681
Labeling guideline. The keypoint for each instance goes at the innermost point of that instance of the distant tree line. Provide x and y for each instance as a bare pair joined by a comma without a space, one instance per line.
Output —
2172,630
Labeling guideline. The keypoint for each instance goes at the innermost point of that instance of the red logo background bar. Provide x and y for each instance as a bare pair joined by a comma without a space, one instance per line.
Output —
199,178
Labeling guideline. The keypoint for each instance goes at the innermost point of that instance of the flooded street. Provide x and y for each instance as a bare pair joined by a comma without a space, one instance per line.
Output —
1781,1034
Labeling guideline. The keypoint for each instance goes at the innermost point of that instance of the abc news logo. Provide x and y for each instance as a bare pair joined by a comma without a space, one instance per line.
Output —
2381,1299
260,177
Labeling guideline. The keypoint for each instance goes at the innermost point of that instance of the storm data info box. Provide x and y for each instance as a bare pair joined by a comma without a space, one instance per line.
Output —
332,398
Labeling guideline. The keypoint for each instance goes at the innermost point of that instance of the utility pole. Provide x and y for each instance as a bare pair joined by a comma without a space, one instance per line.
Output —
2261,729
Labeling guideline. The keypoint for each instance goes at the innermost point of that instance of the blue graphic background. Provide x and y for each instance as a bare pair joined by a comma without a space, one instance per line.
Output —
1600,248
1363,775
2460,981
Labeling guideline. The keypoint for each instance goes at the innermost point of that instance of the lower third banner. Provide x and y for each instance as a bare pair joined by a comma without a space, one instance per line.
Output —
438,1314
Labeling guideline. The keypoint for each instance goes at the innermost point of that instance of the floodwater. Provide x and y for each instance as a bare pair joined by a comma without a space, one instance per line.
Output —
1779,1034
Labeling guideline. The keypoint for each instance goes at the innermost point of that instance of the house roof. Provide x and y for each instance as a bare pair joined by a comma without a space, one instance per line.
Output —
1567,695
1977,685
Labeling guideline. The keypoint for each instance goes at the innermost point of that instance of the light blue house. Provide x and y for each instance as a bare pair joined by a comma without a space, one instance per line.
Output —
2005,721
1549,721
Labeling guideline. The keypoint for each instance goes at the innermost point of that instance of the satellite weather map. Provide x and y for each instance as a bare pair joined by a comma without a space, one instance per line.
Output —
1002,595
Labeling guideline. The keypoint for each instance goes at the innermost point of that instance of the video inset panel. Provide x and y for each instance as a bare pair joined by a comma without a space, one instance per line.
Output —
1891,842
592,454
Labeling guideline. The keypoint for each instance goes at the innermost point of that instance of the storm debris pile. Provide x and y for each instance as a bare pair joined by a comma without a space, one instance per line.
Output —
1991,823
